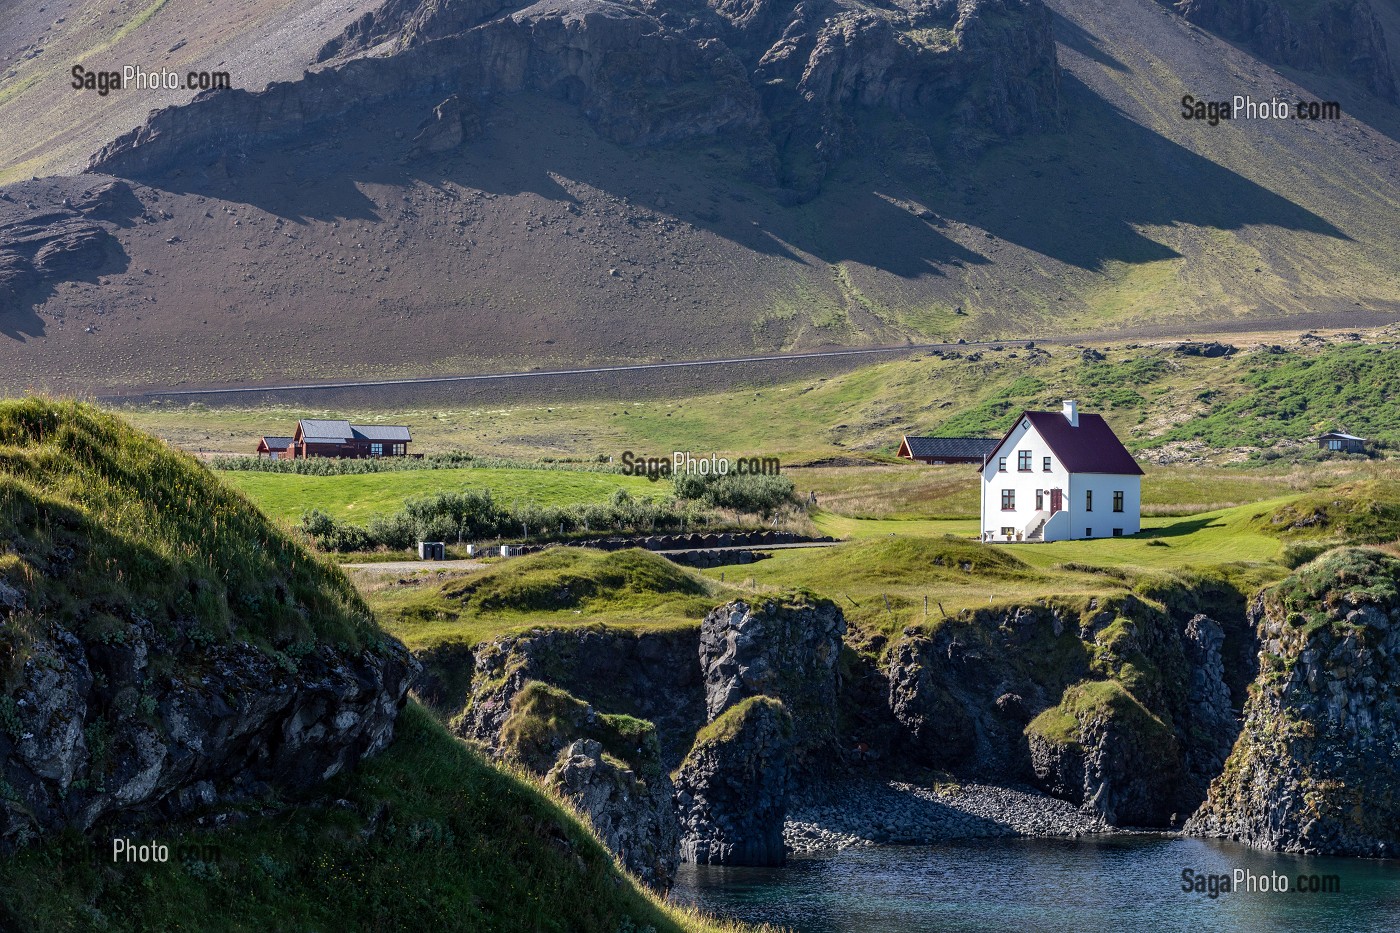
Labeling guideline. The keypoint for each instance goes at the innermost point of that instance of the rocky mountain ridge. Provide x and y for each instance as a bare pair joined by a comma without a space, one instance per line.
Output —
785,83
1338,37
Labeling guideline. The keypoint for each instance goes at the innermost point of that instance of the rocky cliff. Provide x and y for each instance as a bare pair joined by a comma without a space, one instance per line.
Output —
784,83
163,648
650,675
608,766
1337,37
1316,768
787,650
731,790
1122,707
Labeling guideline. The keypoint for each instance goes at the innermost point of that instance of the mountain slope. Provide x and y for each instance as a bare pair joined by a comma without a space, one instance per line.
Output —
586,212
254,41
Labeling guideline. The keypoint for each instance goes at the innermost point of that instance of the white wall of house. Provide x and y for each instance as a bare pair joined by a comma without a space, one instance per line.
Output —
1032,495
1103,521
1028,509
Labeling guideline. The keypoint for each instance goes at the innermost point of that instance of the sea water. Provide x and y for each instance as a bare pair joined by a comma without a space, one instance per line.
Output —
1117,883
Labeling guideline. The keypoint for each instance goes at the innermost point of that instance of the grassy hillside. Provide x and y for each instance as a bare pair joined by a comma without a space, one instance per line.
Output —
427,835
104,523
1153,395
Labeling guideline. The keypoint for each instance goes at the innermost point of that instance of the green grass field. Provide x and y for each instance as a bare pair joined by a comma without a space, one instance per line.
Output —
361,496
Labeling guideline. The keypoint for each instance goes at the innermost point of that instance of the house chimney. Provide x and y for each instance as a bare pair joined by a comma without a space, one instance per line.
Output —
1072,412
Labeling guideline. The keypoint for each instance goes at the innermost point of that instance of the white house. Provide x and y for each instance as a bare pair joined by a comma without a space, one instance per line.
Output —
1060,475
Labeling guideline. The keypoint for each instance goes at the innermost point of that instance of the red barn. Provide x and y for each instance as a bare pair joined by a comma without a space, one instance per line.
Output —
316,438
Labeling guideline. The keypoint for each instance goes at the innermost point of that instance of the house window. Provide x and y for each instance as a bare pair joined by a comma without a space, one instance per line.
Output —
1118,501
1008,500
1088,500
1334,445
1118,532
398,450
1088,532
1023,461
376,450
1045,465
1040,500
1008,532
1001,465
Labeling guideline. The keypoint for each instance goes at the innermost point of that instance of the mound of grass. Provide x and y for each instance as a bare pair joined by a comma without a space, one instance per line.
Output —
730,723
558,586
427,835
563,578
544,719
1361,512
1330,587
102,525
1097,699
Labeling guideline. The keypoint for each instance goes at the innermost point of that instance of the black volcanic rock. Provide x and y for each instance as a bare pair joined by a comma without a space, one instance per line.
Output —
731,790
1316,768
1337,37
787,84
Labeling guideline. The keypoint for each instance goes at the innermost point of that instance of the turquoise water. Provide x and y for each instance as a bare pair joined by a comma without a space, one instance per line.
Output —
1116,884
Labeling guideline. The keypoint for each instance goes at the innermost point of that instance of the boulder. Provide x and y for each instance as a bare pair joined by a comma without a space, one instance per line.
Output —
1102,749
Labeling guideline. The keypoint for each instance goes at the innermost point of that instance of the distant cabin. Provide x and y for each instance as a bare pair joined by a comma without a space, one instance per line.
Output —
274,448
1059,475
315,438
1341,442
946,449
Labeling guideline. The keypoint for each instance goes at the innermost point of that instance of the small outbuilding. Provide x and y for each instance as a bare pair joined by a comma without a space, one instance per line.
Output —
1341,442
274,448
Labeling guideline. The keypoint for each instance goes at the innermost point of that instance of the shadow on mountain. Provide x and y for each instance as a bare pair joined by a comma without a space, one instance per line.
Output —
19,322
1076,37
55,231
1078,196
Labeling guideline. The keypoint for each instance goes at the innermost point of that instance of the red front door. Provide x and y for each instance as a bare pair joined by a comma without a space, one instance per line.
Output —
1057,500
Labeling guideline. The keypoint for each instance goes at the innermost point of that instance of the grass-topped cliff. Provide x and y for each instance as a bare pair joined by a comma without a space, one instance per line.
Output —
179,670
100,523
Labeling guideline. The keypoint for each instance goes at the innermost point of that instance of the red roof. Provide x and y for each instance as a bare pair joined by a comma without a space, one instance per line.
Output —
1090,448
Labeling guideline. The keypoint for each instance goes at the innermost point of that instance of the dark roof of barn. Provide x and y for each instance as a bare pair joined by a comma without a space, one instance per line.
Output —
277,443
381,432
325,432
1341,435
1090,448
973,448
